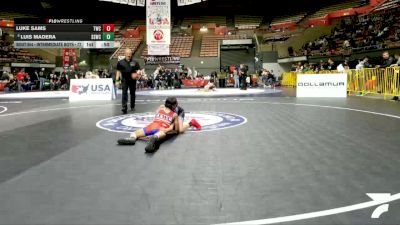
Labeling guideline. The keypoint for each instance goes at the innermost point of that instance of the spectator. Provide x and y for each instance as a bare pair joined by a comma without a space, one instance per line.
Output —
322,66
243,76
236,79
26,83
306,67
343,67
264,78
20,77
375,29
387,60
270,78
293,68
331,64
11,85
42,79
34,79
366,63
397,57
5,76
299,67
360,65
272,74
63,82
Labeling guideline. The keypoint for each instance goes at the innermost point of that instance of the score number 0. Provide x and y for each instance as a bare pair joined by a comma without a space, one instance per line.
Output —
108,27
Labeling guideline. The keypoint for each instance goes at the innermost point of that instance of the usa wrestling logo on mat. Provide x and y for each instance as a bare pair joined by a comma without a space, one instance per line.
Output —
209,121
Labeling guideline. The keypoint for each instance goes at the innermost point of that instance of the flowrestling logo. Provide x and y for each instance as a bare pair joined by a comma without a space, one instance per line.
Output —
209,121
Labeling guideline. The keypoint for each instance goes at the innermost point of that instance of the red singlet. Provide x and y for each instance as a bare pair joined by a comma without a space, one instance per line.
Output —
164,119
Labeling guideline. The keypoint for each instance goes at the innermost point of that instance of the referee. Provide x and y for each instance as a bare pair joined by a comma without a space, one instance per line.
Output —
127,69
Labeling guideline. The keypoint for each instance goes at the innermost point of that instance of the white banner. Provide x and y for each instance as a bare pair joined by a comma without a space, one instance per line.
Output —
132,2
158,49
322,85
91,89
140,2
158,22
237,42
181,2
189,2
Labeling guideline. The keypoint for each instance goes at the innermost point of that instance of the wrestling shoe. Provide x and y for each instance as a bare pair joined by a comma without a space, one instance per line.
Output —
195,124
127,141
151,145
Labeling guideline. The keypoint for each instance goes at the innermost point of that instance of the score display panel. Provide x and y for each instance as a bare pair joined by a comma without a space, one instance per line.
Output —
62,33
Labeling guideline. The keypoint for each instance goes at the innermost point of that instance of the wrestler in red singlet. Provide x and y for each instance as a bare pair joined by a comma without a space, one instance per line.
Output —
161,120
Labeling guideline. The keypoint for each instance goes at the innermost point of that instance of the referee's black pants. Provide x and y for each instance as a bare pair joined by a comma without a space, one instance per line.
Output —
243,83
131,84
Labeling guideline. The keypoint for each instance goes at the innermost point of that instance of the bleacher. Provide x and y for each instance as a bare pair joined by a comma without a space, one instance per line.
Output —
204,20
118,30
209,44
388,4
288,19
132,43
13,15
118,25
135,23
336,7
180,46
247,22
365,32
10,54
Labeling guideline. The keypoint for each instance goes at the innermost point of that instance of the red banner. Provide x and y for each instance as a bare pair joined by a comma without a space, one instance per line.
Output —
67,53
65,59
74,59
195,83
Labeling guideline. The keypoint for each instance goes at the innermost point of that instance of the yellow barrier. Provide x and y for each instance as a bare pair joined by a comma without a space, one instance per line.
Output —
379,81
289,79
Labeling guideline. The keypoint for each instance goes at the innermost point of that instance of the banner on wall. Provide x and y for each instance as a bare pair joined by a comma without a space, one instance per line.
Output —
132,2
140,2
155,60
188,2
65,59
322,85
181,2
158,49
74,61
158,22
67,53
91,89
